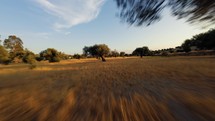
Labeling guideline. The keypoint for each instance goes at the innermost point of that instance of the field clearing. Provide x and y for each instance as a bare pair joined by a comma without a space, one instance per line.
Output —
122,89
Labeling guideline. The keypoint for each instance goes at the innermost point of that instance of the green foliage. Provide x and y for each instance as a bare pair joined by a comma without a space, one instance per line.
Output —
77,56
114,53
13,43
164,53
122,54
186,45
63,56
101,49
50,54
15,47
97,51
142,51
29,57
203,41
86,51
4,56
55,59
38,58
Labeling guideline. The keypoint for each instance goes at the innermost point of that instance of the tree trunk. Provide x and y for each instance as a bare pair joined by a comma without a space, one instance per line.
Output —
103,59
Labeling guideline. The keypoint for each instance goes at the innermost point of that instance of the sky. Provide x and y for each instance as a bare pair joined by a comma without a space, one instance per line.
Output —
69,25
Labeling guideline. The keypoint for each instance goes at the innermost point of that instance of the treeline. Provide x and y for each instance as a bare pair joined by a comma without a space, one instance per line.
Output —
194,46
12,51
101,51
203,41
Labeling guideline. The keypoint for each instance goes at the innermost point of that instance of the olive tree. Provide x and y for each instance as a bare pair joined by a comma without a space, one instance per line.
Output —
122,54
141,51
50,54
114,53
97,50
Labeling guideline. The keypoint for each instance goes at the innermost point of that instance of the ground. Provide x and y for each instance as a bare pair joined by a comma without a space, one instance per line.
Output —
121,89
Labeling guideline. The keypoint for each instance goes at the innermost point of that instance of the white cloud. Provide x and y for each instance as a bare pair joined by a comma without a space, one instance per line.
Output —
71,12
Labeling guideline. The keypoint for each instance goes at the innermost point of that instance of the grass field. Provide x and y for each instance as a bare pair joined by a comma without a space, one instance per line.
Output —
122,89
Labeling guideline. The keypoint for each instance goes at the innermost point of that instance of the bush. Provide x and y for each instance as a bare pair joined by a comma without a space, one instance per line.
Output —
29,57
164,53
50,54
39,58
4,56
54,59
5,61
77,56
122,54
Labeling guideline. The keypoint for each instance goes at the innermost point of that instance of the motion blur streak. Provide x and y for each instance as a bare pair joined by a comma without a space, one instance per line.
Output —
132,89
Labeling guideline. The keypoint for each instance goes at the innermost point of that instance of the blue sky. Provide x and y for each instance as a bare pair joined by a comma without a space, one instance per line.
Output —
69,25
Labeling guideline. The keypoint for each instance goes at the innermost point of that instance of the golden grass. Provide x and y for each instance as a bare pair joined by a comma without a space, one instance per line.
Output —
121,89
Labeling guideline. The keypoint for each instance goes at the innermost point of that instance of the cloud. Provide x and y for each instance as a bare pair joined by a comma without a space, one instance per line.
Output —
71,12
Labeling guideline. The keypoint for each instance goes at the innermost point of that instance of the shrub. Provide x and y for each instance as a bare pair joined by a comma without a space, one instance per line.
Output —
50,54
54,59
29,57
4,56
164,53
77,56
5,61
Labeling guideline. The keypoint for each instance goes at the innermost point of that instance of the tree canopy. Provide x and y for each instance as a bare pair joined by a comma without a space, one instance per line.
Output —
203,41
146,12
114,53
141,51
15,46
50,54
13,43
99,50
122,54
29,57
4,56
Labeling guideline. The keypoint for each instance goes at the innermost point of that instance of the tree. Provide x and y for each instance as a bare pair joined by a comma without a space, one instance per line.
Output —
50,54
29,57
77,56
86,51
186,45
63,56
4,56
142,51
99,50
114,53
203,41
15,46
145,12
122,54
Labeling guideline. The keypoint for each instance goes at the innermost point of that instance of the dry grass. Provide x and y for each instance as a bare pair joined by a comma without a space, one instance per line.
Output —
130,89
